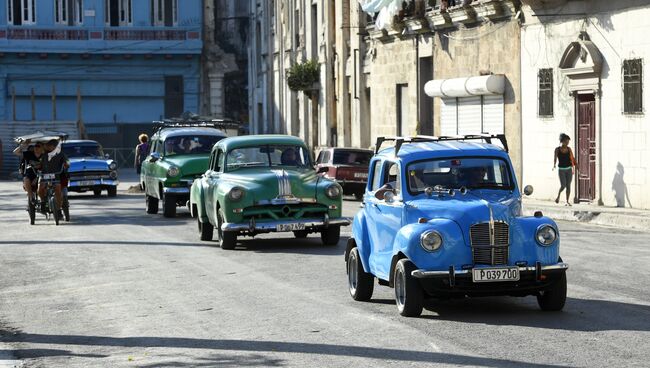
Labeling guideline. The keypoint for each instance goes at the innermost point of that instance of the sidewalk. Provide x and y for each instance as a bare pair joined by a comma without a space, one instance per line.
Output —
623,218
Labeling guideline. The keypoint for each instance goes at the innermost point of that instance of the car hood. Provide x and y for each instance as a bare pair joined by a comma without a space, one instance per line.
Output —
266,184
190,165
88,164
473,207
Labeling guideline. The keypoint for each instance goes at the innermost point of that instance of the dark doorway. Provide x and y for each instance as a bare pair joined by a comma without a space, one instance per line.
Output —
17,12
586,147
169,13
426,102
402,109
173,96
113,13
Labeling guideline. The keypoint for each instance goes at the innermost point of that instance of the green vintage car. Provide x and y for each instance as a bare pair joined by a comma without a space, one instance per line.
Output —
261,184
178,155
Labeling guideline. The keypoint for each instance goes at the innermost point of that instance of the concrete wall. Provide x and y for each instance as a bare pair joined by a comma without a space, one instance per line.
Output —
619,30
492,48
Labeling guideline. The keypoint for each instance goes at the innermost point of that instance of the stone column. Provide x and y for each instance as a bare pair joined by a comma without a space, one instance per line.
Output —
216,94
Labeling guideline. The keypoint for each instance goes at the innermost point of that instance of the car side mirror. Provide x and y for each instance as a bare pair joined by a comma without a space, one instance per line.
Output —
107,156
389,196
155,156
322,169
528,190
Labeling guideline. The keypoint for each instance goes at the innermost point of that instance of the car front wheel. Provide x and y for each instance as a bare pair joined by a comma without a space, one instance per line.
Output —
408,292
360,283
227,239
553,299
169,205
331,235
206,230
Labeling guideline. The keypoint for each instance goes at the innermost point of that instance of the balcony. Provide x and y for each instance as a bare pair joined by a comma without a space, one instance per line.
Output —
30,39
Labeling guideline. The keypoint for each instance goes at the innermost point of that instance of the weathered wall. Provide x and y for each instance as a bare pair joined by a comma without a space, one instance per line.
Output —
619,33
492,48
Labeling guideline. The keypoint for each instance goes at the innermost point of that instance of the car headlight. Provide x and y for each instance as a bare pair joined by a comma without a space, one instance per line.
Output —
333,191
113,175
431,240
112,166
546,235
173,171
236,194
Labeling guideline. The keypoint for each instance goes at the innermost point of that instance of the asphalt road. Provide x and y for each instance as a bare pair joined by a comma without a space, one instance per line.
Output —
118,288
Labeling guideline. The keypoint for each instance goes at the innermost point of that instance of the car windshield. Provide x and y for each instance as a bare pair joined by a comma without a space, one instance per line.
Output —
82,150
267,156
472,173
356,158
189,144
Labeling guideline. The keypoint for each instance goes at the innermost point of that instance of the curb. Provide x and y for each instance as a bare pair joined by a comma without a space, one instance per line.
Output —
611,219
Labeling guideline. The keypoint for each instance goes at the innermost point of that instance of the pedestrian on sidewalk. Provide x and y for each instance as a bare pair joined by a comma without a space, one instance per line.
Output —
566,162
141,151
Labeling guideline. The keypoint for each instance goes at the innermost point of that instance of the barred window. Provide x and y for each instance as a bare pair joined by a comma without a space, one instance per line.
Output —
633,86
545,92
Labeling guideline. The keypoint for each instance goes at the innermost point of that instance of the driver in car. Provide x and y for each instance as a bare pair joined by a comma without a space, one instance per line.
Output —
53,161
473,176
288,157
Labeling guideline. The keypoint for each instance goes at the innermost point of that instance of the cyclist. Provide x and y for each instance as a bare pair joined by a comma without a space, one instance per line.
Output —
53,161
30,164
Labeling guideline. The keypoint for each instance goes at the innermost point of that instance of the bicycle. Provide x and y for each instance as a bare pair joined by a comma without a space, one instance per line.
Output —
50,205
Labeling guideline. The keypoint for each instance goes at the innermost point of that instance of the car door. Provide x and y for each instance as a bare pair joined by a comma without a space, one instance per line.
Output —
212,184
147,170
385,217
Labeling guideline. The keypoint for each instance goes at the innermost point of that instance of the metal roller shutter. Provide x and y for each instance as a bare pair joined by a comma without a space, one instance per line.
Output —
448,116
469,115
493,120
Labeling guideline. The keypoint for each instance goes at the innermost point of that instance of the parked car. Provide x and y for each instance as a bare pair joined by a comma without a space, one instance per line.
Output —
442,218
90,169
261,184
348,166
178,155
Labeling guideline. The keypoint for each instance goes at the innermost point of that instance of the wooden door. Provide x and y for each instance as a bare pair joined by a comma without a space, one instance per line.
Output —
586,148
174,96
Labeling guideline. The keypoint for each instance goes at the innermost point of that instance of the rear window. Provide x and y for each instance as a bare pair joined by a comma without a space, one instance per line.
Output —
356,158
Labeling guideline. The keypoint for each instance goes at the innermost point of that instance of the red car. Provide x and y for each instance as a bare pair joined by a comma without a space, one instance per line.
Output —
348,166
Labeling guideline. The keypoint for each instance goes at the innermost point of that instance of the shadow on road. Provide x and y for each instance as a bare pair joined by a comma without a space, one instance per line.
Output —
310,245
43,353
271,347
586,315
103,242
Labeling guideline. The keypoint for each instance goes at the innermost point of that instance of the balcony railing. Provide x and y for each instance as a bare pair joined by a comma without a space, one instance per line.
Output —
145,35
47,34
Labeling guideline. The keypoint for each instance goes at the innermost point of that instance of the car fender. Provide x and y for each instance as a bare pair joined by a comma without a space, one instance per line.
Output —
360,237
197,200
452,252
524,246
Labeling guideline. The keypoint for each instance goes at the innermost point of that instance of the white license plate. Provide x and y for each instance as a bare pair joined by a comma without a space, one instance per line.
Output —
86,182
361,175
289,227
495,274
48,176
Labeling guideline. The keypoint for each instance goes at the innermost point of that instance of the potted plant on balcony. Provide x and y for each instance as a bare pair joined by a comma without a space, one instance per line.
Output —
304,77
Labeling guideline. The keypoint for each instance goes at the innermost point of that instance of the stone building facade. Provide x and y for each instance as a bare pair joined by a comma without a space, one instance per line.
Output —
224,74
373,80
583,64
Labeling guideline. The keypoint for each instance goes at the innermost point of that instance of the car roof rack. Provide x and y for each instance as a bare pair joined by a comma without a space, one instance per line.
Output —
199,123
399,141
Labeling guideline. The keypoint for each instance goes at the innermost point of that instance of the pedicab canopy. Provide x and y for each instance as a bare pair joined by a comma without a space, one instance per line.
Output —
42,136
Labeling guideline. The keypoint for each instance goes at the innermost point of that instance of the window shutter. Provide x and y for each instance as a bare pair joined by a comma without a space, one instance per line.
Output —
448,117
493,114
469,115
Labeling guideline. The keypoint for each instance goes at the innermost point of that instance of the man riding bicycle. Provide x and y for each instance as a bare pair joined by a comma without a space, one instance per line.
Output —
53,161
30,164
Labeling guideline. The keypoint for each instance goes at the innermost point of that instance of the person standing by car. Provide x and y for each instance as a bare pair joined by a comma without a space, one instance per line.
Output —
53,161
30,164
566,162
141,151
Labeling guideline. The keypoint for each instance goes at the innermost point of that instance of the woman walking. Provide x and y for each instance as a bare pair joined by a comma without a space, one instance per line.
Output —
141,151
565,161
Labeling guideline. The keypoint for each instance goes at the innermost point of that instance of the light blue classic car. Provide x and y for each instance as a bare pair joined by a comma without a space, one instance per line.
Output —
442,218
90,169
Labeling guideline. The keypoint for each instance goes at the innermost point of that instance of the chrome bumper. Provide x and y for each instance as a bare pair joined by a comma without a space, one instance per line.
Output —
87,183
422,274
271,226
179,190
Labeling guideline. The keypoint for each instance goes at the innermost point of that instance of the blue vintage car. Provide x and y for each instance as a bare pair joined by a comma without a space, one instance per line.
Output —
442,217
90,169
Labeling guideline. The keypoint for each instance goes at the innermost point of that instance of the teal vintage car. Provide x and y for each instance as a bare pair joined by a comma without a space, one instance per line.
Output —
178,155
261,184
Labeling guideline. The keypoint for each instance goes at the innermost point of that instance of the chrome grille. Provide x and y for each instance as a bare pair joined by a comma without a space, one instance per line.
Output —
490,248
